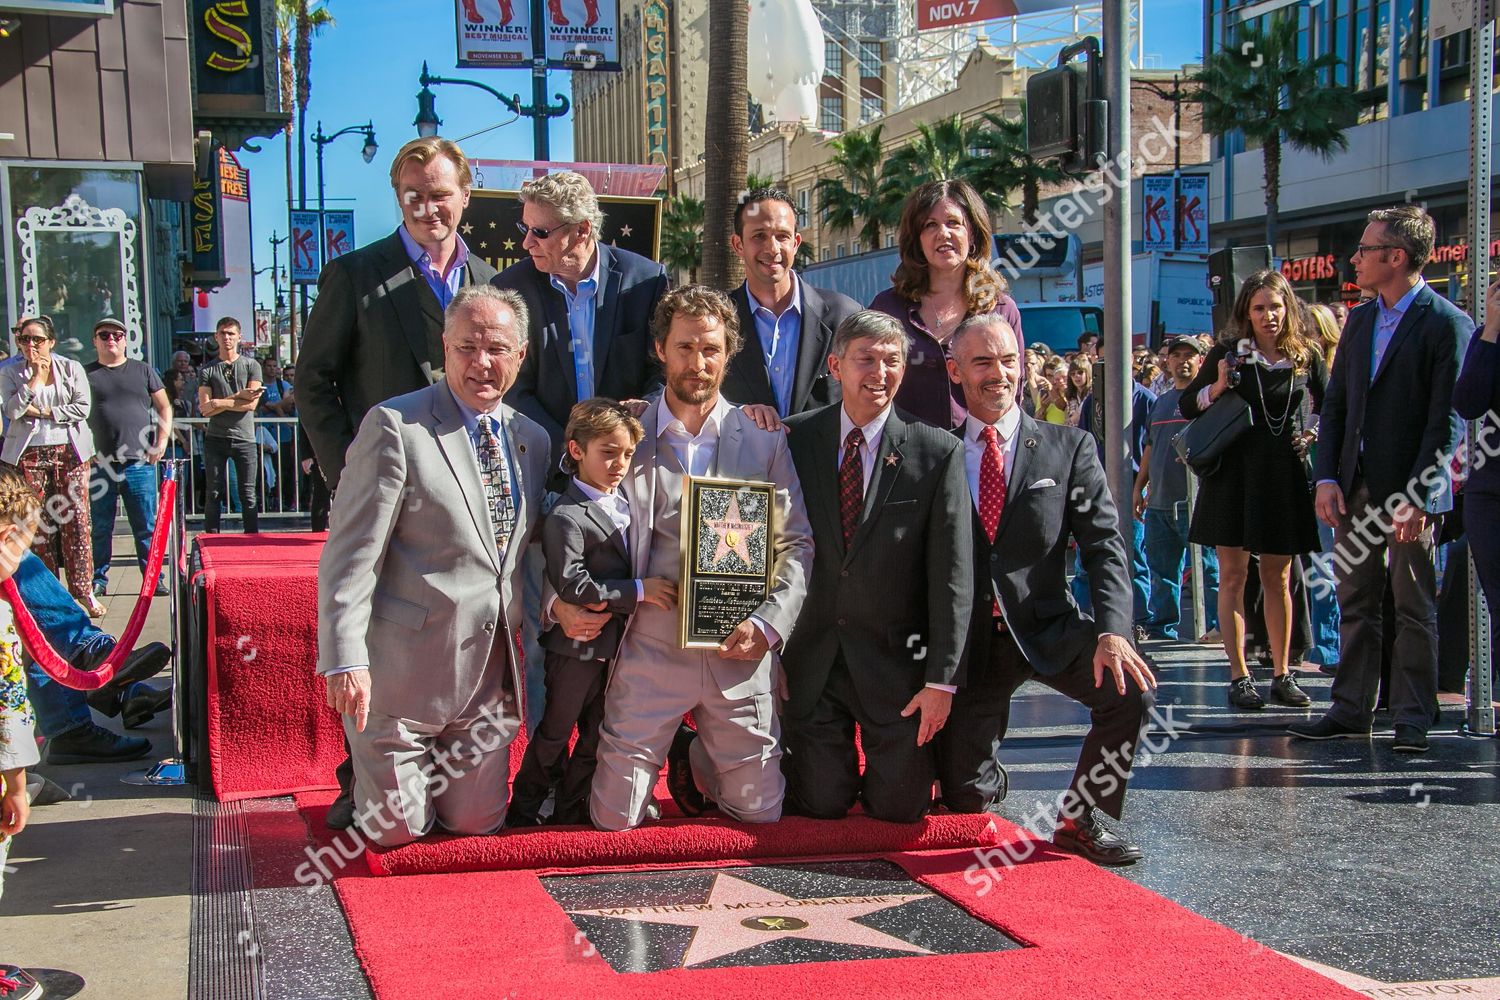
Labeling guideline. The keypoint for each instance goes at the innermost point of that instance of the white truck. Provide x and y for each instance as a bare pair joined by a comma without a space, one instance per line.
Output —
1169,294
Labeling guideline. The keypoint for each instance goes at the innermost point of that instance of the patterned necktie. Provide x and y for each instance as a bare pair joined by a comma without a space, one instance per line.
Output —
495,476
991,490
851,484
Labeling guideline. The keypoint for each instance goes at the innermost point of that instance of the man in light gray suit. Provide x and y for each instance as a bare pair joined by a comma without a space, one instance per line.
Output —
735,758
418,586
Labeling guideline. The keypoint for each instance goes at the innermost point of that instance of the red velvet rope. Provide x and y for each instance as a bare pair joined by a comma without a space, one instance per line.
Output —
60,669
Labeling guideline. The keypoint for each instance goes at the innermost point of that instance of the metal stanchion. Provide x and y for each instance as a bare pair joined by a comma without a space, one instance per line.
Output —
172,770
1195,560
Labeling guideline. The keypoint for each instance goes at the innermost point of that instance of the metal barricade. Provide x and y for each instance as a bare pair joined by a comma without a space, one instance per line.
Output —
282,489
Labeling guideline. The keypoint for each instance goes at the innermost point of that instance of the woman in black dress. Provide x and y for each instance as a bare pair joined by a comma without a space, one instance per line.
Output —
1259,500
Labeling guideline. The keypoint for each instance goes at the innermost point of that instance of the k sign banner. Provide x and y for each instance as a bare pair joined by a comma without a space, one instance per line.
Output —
338,234
306,246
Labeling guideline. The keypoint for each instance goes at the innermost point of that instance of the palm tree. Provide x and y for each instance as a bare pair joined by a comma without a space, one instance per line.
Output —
945,151
296,22
1261,86
863,193
726,138
682,236
1009,165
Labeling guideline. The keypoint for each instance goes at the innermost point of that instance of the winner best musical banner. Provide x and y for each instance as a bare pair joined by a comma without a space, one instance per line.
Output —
581,34
728,545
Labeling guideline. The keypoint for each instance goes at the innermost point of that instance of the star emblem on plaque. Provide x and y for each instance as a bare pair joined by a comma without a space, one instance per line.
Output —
728,537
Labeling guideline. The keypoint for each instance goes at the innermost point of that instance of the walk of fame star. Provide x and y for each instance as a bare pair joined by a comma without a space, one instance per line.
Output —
733,533
740,915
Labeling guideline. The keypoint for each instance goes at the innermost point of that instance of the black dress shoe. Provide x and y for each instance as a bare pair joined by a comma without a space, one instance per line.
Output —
1410,739
340,812
1089,838
91,744
1242,695
680,775
1285,690
1327,729
141,665
142,702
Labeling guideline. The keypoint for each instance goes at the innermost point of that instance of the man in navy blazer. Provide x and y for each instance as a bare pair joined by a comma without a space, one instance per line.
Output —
1386,436
590,304
788,325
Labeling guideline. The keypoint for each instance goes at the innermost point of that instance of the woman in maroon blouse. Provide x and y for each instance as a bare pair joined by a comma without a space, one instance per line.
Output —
944,277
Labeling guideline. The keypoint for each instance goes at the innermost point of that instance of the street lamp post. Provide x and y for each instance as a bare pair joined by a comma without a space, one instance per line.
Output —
539,111
321,140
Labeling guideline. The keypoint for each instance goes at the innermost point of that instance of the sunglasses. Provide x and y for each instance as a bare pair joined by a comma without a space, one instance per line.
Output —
32,340
539,233
110,335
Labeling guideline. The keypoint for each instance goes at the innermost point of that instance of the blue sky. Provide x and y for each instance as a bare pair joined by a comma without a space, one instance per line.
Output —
366,66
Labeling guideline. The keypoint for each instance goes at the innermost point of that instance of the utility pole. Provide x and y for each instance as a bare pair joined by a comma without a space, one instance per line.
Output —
1116,349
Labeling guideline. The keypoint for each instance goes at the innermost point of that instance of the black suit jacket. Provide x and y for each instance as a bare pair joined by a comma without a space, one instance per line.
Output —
1056,489
747,381
625,364
587,562
896,602
375,332
1395,427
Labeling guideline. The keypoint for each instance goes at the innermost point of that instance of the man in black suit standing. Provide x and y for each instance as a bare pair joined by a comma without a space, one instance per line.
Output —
591,307
785,364
376,330
880,638
1386,435
1032,485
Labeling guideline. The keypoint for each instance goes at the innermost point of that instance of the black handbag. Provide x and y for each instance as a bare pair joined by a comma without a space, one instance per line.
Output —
1207,437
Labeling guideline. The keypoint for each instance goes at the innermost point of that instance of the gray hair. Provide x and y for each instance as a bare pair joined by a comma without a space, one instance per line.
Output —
472,295
980,322
868,324
568,194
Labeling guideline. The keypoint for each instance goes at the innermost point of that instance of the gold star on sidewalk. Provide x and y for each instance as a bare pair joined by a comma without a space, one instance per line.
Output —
740,915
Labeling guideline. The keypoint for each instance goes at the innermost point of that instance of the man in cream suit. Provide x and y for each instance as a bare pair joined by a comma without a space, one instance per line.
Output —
735,757
418,586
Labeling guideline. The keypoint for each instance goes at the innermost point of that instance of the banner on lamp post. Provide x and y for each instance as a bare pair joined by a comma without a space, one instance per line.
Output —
581,34
305,246
338,234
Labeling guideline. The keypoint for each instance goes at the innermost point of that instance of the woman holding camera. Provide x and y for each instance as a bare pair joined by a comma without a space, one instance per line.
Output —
1259,499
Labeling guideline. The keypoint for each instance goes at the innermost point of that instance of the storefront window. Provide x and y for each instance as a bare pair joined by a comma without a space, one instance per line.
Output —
87,259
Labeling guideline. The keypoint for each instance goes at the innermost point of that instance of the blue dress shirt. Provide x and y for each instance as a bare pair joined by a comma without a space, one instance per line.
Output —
582,307
1386,321
444,286
779,337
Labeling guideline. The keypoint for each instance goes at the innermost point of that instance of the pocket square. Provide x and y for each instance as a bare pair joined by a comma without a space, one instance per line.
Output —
1041,483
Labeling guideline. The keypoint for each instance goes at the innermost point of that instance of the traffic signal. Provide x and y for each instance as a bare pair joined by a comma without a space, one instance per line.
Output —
1066,114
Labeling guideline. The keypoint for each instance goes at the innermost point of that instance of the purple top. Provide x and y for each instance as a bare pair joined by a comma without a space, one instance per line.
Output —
926,385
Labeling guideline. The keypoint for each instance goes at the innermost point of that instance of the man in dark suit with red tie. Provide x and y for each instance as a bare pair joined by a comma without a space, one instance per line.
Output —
1034,484
880,638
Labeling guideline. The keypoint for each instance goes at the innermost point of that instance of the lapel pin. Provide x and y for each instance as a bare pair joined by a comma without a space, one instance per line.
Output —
892,460
521,448
1031,442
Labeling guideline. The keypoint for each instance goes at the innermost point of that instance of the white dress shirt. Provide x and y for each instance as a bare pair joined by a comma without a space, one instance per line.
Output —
872,431
696,452
617,507
974,446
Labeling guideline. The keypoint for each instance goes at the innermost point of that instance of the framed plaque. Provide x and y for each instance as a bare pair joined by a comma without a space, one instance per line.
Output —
728,536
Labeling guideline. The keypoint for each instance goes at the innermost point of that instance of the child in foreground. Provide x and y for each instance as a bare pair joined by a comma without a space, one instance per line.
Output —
19,509
586,539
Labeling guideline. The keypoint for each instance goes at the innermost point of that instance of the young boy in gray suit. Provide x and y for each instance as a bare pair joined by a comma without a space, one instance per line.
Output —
586,542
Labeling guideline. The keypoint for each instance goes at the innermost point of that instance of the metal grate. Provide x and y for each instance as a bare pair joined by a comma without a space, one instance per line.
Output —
224,957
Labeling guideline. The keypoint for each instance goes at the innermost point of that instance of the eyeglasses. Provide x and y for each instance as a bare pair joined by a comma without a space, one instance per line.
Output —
1365,248
539,233
32,340
110,335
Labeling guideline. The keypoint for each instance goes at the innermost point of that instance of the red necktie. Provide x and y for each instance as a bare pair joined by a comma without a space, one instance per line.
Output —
851,484
991,482
991,491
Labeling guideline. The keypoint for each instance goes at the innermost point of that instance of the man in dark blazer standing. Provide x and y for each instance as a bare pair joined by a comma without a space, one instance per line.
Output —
788,324
1386,436
591,307
1032,485
881,636
376,330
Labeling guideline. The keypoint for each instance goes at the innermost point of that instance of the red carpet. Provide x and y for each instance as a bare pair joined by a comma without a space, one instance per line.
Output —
269,731
1088,934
